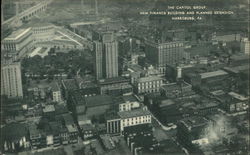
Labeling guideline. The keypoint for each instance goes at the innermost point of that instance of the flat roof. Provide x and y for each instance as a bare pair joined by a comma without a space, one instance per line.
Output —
17,34
195,121
149,78
130,98
133,113
166,102
135,68
49,108
213,74
237,69
237,96
240,57
71,128
174,85
113,80
98,100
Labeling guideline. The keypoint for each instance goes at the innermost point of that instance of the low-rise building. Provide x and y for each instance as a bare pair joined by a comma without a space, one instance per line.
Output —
71,128
190,131
15,137
35,136
148,84
215,80
233,102
56,92
49,111
128,103
174,90
117,123
115,86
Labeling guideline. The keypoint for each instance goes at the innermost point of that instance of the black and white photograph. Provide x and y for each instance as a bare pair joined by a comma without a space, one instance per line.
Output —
125,77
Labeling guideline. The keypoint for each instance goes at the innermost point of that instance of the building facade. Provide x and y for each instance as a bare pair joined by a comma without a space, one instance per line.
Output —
128,118
244,45
115,86
162,54
18,43
43,32
106,57
11,80
56,93
148,84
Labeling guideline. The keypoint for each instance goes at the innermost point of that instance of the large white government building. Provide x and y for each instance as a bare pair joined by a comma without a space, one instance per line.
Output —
17,43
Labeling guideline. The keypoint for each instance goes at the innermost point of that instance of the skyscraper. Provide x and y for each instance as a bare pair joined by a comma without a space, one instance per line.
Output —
162,54
106,56
11,80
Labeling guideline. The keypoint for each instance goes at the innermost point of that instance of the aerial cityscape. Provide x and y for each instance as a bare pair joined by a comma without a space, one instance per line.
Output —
124,77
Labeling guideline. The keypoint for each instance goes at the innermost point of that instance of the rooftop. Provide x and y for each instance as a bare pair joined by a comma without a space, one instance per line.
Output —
107,141
134,113
113,80
206,105
172,86
130,98
135,68
14,132
166,102
17,34
71,128
69,84
237,69
127,98
239,57
194,121
98,100
149,78
213,74
48,108
238,96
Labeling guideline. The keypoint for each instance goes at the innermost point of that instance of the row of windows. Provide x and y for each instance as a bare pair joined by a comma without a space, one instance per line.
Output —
136,118
148,90
150,82
148,120
171,45
150,86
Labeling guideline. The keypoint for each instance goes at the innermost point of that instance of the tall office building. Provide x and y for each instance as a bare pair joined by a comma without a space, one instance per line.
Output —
245,45
11,80
163,54
106,56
